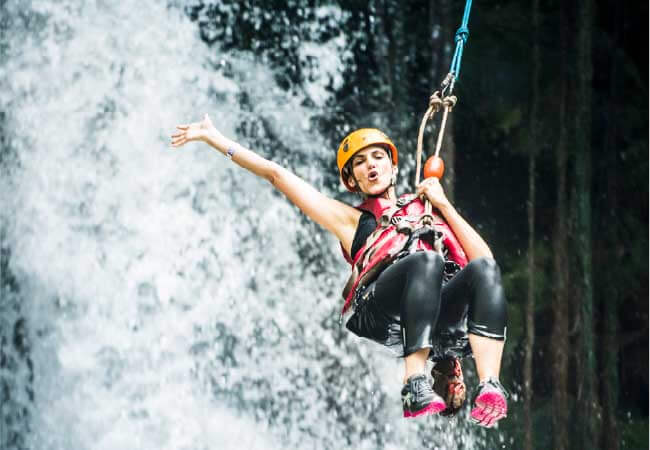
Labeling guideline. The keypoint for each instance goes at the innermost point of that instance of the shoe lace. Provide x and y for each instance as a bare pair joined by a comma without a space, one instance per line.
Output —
407,399
421,386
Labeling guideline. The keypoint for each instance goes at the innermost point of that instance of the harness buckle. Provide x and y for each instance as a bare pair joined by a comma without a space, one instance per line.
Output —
405,200
427,219
362,294
404,226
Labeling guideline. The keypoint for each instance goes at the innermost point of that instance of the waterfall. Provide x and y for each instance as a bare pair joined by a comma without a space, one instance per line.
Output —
165,298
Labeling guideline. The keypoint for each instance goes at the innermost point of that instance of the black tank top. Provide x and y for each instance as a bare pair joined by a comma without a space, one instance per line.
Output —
367,224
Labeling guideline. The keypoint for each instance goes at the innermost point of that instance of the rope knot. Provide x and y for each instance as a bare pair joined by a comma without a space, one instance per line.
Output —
435,102
462,34
450,101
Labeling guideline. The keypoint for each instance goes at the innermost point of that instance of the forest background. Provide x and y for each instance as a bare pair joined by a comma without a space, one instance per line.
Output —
547,151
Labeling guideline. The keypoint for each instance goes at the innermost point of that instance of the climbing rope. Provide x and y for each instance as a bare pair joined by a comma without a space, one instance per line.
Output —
462,34
441,99
435,104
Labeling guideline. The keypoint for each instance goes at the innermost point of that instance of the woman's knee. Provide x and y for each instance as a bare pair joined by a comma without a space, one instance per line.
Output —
430,263
485,271
488,308
421,297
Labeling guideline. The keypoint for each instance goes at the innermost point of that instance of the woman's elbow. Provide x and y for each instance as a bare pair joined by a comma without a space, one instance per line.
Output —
488,253
273,174
484,252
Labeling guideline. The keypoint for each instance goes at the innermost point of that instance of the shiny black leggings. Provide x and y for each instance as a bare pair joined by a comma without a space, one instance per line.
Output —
411,293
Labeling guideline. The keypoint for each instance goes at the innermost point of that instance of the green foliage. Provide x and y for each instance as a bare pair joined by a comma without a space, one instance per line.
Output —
634,434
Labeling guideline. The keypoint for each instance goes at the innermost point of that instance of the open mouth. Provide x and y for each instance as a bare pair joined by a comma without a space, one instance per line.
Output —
373,175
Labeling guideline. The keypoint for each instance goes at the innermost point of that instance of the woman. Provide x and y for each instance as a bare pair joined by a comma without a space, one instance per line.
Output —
403,292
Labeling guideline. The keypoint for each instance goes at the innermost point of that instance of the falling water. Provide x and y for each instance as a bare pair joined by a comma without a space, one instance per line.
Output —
158,298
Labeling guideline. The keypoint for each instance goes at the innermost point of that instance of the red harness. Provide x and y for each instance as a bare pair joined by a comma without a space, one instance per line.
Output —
399,232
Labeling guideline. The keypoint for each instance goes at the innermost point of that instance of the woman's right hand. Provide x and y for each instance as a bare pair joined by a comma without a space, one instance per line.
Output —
432,189
197,131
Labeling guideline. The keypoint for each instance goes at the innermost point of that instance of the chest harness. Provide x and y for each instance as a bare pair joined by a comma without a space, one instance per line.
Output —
404,228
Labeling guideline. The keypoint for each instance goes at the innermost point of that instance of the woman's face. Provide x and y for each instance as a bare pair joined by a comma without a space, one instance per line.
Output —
373,170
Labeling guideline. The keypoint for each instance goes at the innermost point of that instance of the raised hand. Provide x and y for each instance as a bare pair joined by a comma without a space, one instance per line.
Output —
196,131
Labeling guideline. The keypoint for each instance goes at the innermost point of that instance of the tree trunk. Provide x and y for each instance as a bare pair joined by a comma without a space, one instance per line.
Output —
587,401
614,250
436,44
560,300
388,17
394,28
530,303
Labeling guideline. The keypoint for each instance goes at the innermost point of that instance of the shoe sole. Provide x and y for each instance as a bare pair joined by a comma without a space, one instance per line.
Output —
432,408
489,408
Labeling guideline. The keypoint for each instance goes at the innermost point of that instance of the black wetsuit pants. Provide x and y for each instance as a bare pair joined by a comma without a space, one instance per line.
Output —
409,298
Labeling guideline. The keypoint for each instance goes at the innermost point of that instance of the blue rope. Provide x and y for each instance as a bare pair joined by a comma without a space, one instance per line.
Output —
461,38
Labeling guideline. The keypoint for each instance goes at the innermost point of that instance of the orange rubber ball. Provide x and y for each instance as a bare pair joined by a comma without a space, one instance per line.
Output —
434,167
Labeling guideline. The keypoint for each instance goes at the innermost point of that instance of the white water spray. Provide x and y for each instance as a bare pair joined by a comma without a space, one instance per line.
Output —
167,301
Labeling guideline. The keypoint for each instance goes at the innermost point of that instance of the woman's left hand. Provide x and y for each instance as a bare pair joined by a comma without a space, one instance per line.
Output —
432,189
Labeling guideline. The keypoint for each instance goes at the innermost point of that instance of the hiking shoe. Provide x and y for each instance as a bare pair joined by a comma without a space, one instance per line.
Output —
489,404
448,383
418,397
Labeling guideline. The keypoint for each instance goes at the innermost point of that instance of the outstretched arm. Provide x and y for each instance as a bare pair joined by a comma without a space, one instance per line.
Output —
333,215
472,242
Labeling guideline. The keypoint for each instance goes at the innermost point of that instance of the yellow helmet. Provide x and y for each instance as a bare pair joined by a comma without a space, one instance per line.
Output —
358,140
